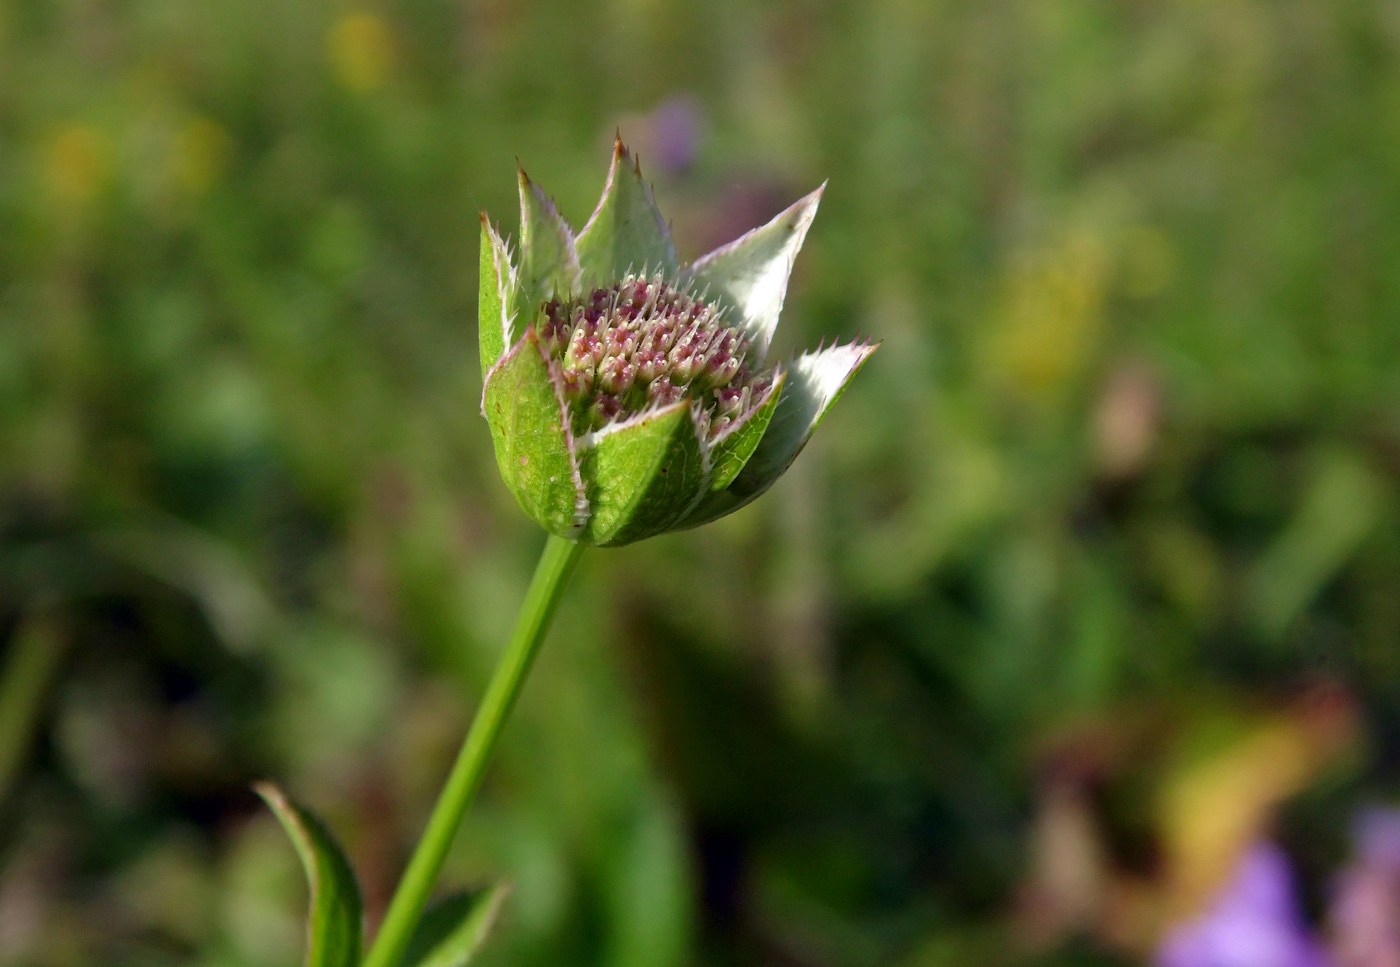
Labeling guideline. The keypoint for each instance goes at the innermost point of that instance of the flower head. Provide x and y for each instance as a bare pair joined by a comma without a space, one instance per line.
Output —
628,394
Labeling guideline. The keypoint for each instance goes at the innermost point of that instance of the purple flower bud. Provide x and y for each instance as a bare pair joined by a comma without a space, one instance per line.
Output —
684,364
577,383
621,342
603,410
730,401
662,391
615,375
721,369
584,351
650,364
660,337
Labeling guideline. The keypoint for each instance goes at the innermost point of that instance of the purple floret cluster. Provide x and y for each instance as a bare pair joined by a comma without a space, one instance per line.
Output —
641,343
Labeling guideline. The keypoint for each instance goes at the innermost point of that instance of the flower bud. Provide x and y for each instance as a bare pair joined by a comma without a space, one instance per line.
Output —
628,394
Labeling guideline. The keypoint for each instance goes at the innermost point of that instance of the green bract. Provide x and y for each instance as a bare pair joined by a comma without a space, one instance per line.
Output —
628,394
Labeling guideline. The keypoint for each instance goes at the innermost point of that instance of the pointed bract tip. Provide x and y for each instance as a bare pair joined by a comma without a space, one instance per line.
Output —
622,153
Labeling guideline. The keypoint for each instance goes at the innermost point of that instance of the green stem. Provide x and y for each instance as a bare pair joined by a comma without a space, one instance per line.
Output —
556,564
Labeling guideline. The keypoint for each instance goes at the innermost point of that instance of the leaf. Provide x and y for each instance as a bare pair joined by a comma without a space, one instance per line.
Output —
750,274
493,323
1340,509
333,922
625,232
534,444
643,474
815,381
453,930
548,262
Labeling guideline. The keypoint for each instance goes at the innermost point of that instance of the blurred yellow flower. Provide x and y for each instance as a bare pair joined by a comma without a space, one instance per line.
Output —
1050,315
201,153
77,163
361,51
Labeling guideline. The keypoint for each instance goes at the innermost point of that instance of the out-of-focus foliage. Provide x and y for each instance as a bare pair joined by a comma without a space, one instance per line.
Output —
1089,583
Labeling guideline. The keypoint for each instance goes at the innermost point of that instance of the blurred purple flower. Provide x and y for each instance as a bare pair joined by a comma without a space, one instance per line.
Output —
1377,837
1365,914
1254,921
671,132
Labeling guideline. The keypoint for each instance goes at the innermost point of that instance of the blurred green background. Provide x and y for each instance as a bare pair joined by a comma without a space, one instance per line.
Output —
1090,579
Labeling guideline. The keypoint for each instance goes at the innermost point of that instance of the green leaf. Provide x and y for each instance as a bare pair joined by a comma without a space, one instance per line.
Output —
548,263
534,444
453,930
643,474
492,321
815,381
626,232
333,923
1340,509
750,274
